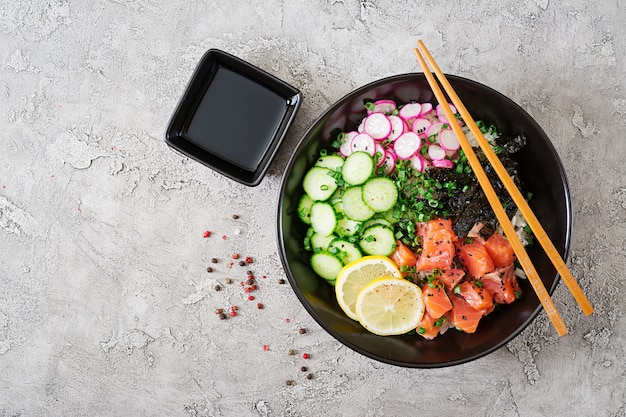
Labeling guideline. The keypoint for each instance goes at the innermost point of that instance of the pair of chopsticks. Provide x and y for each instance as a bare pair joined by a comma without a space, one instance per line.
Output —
516,195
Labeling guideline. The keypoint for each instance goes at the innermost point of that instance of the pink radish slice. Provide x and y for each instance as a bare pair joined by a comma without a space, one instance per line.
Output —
377,125
442,115
443,163
434,129
452,154
398,127
426,108
420,125
407,144
410,111
345,148
435,152
363,142
418,163
383,106
389,163
361,127
448,140
379,154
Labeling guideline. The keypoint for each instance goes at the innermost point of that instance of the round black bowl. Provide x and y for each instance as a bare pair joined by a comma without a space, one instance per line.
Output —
541,170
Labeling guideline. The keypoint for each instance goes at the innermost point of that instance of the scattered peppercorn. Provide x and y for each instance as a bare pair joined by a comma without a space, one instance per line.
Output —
242,263
305,356
223,316
248,259
214,260
218,288
232,313
302,330
309,376
281,281
235,216
209,269
291,352
206,234
219,310
228,281
251,297
289,382
260,306
304,369
250,281
235,256
266,348
224,237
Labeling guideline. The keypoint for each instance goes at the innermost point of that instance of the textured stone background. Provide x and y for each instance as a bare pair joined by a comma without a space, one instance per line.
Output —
106,307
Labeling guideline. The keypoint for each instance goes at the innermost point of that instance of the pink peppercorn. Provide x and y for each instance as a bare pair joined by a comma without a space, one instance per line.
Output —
251,297
233,313
305,356
206,234
260,306
266,348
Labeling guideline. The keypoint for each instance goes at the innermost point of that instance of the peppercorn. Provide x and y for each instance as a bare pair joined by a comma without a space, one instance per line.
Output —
219,310
305,356
250,281
302,330
289,382
235,216
209,269
291,352
214,260
304,369
235,256
309,376
228,281
260,306
218,288
281,281
242,263
223,316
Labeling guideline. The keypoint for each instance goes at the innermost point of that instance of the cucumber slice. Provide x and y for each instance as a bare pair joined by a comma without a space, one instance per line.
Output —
357,168
353,205
380,194
323,218
377,221
330,161
307,239
321,242
388,215
319,183
326,265
304,208
345,225
346,251
378,240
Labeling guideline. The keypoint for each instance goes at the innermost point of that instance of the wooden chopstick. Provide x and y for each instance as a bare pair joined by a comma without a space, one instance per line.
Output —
494,201
516,195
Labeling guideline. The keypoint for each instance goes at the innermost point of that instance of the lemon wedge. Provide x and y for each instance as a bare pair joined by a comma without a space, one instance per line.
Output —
390,306
356,275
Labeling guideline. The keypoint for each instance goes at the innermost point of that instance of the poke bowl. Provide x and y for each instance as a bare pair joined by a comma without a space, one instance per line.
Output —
539,170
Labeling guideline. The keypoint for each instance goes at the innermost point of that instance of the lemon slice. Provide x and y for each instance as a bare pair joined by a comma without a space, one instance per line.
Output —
356,275
390,306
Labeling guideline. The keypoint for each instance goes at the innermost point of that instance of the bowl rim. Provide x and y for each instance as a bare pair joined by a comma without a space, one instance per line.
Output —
281,243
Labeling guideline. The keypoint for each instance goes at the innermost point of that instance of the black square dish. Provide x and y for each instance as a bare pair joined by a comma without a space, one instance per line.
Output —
232,117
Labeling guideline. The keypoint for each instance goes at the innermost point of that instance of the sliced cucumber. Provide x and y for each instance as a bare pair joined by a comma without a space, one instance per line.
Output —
323,218
345,225
330,161
380,194
319,183
304,208
326,265
346,251
357,168
388,215
307,239
353,205
377,221
321,242
378,240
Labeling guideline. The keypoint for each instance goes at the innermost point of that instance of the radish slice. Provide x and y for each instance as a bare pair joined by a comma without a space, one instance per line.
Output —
452,154
398,127
426,108
383,106
418,163
448,140
441,115
410,112
434,129
420,126
346,146
363,142
443,163
361,127
407,145
377,125
379,154
435,152
389,163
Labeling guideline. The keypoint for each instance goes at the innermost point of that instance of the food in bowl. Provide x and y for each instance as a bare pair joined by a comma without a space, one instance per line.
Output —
399,186
541,171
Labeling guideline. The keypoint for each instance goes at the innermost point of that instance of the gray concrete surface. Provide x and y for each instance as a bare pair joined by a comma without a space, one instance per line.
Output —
106,307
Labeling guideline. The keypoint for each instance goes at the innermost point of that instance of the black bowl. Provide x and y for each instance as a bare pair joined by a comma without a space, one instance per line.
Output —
542,173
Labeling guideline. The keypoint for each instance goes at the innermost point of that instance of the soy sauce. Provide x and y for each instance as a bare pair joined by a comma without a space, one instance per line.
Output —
236,119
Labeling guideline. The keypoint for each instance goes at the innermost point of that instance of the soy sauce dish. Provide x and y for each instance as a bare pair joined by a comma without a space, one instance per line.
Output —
232,117
541,171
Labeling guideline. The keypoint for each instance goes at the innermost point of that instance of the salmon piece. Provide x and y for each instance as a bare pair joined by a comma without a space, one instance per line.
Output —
500,250
403,257
502,285
437,245
430,327
451,277
436,300
475,259
476,296
463,316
